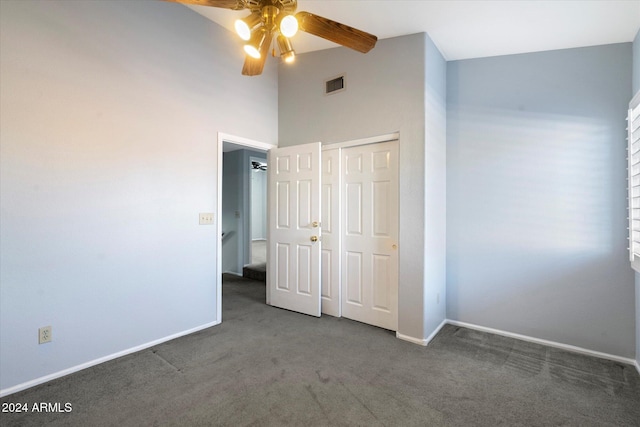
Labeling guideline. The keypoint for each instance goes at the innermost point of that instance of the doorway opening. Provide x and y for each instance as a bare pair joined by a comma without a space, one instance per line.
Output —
241,206
244,208
361,268
257,262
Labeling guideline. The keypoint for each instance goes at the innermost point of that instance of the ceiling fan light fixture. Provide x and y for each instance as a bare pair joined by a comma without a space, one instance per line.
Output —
289,57
244,26
267,20
286,49
252,51
253,47
288,26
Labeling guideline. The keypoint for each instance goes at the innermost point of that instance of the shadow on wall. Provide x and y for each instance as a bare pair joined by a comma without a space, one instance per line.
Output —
230,244
535,182
536,233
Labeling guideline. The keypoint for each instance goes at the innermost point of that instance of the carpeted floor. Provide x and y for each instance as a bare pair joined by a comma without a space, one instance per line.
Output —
272,367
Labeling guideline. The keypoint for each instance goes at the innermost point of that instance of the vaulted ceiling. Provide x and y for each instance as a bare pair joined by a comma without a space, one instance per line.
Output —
472,29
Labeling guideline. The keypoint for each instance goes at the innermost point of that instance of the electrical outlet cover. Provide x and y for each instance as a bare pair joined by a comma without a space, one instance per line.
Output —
44,334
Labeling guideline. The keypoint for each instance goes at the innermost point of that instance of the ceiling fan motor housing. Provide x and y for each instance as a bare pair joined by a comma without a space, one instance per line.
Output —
287,6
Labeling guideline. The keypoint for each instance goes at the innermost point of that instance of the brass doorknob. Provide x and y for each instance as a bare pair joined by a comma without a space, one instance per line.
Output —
314,238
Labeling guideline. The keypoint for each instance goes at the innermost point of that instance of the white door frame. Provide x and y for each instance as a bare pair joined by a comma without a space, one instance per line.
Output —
364,141
249,143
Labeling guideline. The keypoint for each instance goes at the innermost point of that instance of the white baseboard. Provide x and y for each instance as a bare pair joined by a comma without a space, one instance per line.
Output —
65,372
419,341
413,340
234,273
562,346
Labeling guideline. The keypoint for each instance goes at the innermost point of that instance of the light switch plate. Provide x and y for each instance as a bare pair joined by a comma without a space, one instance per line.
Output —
206,218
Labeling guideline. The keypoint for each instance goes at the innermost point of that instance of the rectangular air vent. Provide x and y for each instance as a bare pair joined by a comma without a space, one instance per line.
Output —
334,85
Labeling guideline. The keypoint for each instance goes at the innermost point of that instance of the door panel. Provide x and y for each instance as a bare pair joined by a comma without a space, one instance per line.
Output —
353,282
353,205
370,216
293,259
381,278
282,211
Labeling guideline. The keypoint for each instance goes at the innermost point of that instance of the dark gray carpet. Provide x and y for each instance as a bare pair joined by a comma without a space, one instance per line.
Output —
266,366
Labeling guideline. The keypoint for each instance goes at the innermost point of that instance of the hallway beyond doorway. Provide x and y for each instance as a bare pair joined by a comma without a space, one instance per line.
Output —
258,251
257,270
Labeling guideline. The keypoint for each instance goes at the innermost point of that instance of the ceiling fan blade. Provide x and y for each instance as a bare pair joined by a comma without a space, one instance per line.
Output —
253,66
336,32
225,4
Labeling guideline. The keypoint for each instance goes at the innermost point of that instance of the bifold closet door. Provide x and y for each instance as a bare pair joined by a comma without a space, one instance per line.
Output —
370,234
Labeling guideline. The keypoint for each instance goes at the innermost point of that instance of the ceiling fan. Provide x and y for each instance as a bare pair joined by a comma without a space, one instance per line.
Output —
257,166
269,19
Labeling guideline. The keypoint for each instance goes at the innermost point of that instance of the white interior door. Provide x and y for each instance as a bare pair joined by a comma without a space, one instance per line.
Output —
293,258
370,234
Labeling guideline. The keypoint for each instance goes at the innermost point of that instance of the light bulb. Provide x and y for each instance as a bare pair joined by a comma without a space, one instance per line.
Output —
252,51
242,29
289,26
254,45
289,57
245,25
286,50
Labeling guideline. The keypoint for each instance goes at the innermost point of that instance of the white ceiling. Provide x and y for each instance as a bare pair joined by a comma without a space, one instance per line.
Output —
472,28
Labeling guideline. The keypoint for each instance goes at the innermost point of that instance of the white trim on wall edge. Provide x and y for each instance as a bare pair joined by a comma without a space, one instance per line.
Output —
425,341
364,141
637,366
73,369
555,344
234,273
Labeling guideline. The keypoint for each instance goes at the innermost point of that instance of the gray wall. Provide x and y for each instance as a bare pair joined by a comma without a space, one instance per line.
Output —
536,202
636,64
110,113
385,93
435,186
635,89
232,212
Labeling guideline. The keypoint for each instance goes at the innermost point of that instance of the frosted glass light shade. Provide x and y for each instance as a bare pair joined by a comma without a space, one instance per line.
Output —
245,25
286,50
242,29
254,45
289,26
252,51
